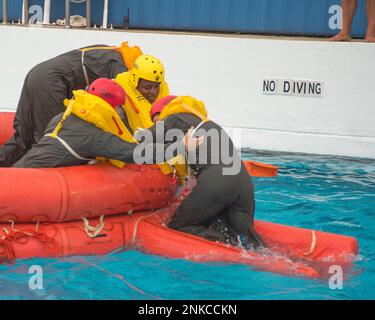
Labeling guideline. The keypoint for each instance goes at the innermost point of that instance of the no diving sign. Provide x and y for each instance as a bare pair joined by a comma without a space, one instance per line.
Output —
300,88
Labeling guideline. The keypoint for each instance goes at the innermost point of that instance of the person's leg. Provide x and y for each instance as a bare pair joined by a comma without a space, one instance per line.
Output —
239,217
202,231
41,99
206,201
47,96
11,152
240,223
220,224
349,8
370,12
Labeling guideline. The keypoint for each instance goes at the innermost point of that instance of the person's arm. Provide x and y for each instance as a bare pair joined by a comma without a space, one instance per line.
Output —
107,145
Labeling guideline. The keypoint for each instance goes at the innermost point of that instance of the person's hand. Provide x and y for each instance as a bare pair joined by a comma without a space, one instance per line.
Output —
139,135
190,143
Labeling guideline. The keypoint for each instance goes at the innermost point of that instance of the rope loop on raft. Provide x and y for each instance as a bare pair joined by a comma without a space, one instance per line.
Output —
7,254
92,232
6,231
12,223
313,244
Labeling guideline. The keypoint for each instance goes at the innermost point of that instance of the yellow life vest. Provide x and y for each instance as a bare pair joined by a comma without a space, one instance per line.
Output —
95,110
137,106
183,104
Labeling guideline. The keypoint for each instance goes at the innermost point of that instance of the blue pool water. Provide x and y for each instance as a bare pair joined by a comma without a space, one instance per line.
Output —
319,192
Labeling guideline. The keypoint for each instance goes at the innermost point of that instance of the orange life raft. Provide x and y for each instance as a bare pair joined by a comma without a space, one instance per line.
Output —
6,126
40,196
291,250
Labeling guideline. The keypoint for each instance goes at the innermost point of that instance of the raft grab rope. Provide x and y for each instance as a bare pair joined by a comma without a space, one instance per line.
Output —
7,254
313,244
91,231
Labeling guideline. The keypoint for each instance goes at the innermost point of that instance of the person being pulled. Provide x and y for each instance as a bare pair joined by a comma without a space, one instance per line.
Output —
50,82
91,129
221,205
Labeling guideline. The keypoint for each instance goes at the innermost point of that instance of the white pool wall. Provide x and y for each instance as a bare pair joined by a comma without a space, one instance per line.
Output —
227,73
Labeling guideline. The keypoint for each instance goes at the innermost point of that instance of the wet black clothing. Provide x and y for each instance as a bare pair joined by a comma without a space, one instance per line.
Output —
217,197
44,90
221,206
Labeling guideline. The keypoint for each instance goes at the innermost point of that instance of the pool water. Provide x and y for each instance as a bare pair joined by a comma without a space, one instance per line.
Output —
327,193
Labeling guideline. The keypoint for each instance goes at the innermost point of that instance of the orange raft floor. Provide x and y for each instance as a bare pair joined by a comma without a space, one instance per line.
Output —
291,250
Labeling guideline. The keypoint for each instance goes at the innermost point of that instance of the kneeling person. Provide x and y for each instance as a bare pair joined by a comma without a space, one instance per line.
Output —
221,206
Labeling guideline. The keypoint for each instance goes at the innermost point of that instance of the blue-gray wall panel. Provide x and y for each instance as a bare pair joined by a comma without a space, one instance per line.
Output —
305,17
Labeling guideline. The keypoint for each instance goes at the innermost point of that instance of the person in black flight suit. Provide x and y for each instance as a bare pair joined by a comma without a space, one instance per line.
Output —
48,84
221,205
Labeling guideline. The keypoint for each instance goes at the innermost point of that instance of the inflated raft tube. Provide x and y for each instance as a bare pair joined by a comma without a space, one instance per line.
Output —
291,250
70,193
6,126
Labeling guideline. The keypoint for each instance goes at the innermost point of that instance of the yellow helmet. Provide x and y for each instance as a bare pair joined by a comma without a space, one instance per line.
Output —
149,68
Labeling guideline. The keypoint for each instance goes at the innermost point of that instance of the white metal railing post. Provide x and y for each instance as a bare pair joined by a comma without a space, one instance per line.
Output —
25,11
88,13
67,13
5,12
105,14
47,12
